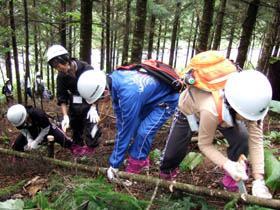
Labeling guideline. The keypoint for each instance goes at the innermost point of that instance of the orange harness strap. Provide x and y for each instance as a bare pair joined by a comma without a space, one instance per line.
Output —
219,104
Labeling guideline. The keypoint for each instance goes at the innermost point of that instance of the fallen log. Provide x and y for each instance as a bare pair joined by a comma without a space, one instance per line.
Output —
191,189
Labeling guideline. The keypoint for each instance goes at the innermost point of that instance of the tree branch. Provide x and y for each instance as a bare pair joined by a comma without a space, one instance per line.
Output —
192,189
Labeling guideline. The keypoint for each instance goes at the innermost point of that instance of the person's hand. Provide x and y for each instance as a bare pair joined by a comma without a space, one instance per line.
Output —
111,174
92,115
65,123
259,189
34,144
27,147
236,170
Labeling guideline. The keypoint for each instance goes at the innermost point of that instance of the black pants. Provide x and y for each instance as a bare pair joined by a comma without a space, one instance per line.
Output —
81,126
180,136
59,137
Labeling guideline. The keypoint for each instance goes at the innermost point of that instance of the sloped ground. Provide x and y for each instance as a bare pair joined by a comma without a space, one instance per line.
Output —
12,173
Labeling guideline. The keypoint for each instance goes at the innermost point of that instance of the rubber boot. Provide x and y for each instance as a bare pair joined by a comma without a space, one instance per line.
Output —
135,166
171,176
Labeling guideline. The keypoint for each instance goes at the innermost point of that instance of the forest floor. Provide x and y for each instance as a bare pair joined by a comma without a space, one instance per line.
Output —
207,174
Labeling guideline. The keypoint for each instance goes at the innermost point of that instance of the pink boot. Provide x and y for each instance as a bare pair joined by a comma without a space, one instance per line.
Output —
171,176
230,184
135,166
88,150
76,149
14,160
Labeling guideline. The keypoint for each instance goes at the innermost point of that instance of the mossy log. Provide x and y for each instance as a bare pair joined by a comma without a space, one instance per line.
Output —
192,189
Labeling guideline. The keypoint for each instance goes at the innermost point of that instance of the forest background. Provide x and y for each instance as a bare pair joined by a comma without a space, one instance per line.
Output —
110,33
117,32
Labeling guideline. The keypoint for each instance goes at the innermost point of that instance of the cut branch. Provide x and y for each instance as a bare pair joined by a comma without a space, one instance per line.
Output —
192,189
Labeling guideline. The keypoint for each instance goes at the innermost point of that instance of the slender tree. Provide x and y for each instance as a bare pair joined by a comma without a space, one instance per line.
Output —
270,39
126,34
86,30
15,51
151,36
139,31
205,25
27,71
62,24
108,25
247,30
102,50
219,27
174,32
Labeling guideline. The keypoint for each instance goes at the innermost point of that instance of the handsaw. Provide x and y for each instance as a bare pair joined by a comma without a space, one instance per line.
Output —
241,185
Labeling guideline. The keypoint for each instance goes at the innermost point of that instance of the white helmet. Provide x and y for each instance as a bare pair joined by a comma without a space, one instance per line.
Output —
91,85
16,114
55,50
249,93
38,74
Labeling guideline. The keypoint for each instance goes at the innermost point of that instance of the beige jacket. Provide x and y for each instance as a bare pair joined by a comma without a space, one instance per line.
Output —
203,106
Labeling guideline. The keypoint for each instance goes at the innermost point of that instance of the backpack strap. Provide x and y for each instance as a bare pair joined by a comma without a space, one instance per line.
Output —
219,104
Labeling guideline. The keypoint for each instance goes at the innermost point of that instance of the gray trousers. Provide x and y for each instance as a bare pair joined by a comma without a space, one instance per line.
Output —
180,136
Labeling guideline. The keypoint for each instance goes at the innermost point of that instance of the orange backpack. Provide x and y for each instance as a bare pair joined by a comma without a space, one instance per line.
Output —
210,71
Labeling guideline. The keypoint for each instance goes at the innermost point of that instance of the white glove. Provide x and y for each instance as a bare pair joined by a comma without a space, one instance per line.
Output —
65,123
34,144
27,147
92,115
260,190
236,170
111,174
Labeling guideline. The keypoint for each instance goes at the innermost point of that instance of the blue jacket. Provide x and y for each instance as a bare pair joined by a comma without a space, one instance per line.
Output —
141,104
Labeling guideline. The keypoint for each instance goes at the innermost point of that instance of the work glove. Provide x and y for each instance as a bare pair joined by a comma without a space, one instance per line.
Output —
65,123
260,190
236,170
111,174
27,147
34,144
92,115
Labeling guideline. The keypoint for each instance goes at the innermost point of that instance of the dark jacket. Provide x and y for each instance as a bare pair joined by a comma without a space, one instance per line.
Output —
37,121
67,84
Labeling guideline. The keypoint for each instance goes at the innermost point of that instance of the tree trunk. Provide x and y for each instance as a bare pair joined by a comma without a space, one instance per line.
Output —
195,35
189,40
158,42
15,51
151,36
8,63
126,34
174,32
139,31
232,30
62,25
247,30
205,25
70,33
86,31
270,38
164,40
108,25
102,50
6,43
219,26
27,71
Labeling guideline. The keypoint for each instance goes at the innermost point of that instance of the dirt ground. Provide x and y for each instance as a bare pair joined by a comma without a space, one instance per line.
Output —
207,175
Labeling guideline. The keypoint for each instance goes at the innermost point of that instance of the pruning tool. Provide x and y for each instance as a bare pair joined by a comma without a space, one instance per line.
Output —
241,186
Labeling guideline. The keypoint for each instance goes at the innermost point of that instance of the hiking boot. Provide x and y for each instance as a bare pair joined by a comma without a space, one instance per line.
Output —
135,166
171,176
